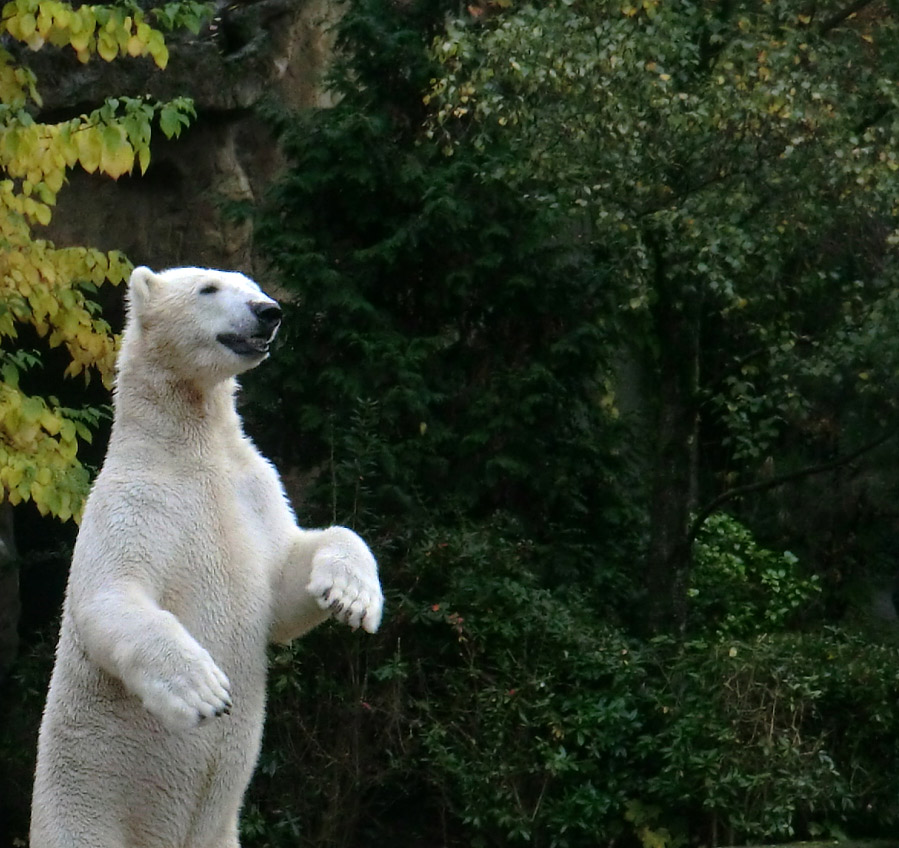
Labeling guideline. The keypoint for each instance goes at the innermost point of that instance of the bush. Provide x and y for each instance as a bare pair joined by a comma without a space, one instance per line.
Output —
22,697
528,737
778,737
492,710
443,386
488,711
739,589
437,321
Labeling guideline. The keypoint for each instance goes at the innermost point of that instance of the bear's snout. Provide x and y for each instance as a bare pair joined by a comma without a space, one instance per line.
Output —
268,314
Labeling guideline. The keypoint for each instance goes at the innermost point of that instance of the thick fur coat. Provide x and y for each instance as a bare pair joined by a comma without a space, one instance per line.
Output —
188,563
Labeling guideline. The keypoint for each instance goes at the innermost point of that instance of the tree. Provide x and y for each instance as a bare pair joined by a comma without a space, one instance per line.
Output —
735,165
442,346
440,385
46,292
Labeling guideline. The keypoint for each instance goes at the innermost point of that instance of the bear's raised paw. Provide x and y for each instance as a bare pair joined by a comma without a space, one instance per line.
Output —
345,582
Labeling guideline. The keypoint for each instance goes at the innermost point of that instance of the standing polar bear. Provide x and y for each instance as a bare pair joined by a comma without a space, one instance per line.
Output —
188,563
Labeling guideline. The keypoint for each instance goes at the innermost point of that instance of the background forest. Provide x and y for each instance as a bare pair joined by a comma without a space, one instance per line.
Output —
592,329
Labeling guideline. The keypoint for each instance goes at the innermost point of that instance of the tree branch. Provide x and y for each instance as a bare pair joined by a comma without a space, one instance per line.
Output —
838,17
780,480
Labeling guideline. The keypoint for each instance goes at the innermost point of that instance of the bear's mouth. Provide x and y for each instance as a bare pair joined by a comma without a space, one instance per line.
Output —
245,345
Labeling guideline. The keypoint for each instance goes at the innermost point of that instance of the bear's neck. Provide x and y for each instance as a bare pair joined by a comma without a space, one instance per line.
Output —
182,415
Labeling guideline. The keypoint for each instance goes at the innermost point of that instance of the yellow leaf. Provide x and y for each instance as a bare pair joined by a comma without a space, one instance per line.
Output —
37,495
123,34
135,47
81,40
27,26
107,46
117,161
66,430
13,25
44,22
161,57
42,213
89,145
61,16
54,179
73,369
88,18
13,476
156,48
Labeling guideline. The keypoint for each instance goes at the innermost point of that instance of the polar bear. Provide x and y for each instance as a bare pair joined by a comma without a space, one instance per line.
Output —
188,563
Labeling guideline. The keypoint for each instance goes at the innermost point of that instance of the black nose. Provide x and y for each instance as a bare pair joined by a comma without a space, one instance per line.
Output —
268,312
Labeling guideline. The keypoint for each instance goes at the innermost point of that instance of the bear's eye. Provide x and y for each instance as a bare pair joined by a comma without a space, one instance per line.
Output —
210,289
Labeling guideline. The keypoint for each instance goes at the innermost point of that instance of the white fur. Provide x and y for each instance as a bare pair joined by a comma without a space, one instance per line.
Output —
188,562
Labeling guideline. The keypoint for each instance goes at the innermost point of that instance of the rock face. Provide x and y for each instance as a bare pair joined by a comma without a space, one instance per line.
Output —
178,212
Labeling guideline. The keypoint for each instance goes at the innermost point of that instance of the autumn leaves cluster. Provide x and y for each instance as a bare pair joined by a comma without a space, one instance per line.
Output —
44,290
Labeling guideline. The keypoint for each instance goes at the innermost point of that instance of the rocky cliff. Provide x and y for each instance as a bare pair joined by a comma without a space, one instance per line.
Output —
176,214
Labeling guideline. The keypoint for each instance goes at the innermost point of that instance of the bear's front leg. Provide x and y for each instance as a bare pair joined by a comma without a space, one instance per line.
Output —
328,573
149,650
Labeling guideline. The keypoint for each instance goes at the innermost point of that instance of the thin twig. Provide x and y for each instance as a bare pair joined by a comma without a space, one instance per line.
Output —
780,480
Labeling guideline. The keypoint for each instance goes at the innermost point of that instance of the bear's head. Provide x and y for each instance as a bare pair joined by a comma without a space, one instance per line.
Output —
201,323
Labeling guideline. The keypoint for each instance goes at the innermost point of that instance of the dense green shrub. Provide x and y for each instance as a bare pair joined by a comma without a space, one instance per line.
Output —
740,589
492,711
442,385
435,313
779,737
22,696
435,320
528,737
488,711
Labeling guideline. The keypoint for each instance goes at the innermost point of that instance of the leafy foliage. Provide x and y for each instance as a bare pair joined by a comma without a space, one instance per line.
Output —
441,307
695,140
492,711
637,181
733,166
48,289
739,589
756,743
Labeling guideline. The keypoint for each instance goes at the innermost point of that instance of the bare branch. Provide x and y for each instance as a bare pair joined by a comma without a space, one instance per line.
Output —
780,480
838,17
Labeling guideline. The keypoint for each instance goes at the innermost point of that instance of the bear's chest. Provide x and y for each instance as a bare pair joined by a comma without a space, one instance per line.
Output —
218,582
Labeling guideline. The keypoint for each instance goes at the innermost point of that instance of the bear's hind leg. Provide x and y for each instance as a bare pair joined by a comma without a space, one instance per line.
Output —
55,826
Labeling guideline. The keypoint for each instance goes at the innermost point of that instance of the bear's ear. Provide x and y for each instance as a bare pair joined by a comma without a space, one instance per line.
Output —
141,288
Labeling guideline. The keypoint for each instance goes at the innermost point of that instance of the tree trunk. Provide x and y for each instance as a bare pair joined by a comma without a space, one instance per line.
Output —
674,483
9,592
